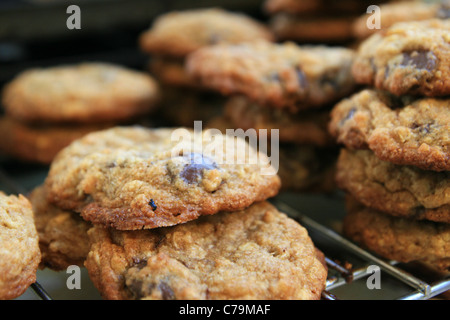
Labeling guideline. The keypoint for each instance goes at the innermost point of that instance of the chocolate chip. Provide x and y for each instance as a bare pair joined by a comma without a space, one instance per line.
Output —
349,115
444,11
301,77
193,171
135,288
139,263
152,204
422,128
166,291
420,59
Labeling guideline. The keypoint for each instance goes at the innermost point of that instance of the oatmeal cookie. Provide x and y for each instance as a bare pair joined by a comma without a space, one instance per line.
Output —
40,143
280,75
179,33
399,239
133,177
63,238
19,249
86,92
402,130
407,58
403,191
256,253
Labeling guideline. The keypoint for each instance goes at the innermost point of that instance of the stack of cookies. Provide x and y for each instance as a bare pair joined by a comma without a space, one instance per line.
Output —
395,166
173,36
314,21
162,218
286,87
47,108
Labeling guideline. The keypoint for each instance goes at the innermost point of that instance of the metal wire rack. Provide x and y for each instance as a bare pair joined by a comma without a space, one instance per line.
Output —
348,263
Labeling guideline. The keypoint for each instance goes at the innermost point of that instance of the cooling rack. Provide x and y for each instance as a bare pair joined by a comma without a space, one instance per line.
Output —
351,268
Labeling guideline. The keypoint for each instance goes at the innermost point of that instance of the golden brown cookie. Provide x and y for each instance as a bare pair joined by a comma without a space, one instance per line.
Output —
256,253
86,92
40,143
179,33
407,58
403,191
399,239
19,249
134,178
280,75
402,130
63,238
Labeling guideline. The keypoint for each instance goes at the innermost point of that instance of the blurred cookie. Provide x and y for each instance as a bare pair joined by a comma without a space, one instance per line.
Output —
87,92
280,75
19,253
63,238
312,29
402,11
133,178
306,7
181,106
407,58
403,130
403,191
256,253
40,143
179,33
307,127
399,239
305,168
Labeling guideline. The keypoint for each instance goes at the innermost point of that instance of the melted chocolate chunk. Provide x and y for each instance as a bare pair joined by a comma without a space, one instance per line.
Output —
152,204
301,77
193,171
166,291
349,115
420,59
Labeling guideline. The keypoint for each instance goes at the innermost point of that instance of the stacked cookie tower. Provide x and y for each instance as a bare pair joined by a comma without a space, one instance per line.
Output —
395,166
284,87
172,37
314,21
47,108
169,220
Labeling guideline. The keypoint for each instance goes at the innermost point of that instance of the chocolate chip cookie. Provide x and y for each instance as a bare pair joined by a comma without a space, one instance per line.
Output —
399,239
40,143
407,58
403,191
402,130
19,253
82,93
402,11
63,238
280,75
179,33
256,253
133,177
